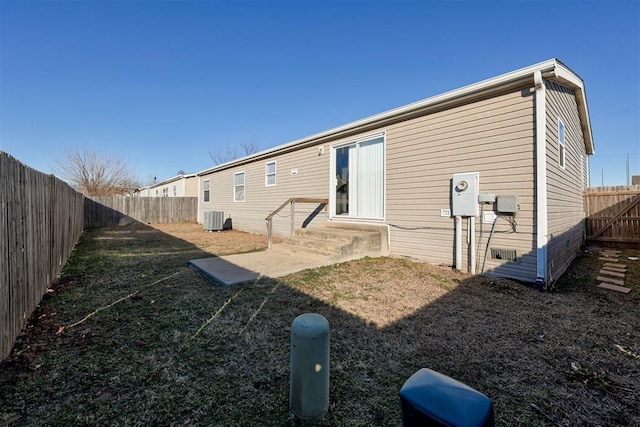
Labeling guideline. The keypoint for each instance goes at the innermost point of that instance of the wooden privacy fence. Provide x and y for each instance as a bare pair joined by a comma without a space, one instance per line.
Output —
41,220
613,214
113,211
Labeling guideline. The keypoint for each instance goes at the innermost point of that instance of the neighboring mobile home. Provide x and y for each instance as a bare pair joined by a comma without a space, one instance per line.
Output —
521,141
183,185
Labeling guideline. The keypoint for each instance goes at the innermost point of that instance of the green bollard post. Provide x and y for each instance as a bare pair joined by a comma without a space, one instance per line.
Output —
309,386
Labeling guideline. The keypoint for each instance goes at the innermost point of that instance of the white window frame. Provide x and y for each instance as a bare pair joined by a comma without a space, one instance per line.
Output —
332,178
267,174
165,192
562,144
175,190
206,190
243,185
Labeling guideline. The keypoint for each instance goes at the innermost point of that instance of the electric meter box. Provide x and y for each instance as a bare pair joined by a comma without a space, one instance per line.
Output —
464,194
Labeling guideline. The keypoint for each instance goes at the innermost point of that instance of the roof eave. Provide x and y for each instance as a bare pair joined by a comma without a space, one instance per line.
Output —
571,79
549,68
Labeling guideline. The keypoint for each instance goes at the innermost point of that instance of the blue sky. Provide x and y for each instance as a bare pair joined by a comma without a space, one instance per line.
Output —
164,83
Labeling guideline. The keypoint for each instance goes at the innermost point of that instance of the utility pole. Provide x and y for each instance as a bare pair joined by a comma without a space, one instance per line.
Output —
628,178
602,177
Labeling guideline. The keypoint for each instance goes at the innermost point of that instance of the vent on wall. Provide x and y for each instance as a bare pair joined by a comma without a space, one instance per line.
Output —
504,254
213,220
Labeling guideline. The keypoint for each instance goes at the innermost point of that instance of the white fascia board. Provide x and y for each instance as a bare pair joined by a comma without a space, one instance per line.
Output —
547,68
571,79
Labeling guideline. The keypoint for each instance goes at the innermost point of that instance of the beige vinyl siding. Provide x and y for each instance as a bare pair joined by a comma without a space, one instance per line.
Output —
565,201
493,137
158,188
190,187
311,180
185,187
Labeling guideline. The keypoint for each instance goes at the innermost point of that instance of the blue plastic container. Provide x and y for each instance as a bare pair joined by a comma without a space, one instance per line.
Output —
429,398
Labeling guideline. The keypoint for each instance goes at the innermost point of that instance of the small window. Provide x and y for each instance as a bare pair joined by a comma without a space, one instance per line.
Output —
238,187
205,190
562,148
270,174
165,192
175,190
156,193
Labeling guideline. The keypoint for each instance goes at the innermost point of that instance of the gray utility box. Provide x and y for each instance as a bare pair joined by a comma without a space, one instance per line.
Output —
507,204
464,194
213,220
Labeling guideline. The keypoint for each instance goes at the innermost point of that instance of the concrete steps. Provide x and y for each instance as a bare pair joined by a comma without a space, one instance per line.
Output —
331,244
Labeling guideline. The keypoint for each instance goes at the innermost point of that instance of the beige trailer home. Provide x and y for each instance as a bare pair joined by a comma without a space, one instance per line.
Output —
496,168
183,185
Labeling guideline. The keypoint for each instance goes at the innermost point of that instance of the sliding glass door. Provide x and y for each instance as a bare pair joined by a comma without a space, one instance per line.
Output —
358,171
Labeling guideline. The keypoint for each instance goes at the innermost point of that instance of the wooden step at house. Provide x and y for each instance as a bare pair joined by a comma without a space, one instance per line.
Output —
610,280
611,273
331,244
614,288
608,259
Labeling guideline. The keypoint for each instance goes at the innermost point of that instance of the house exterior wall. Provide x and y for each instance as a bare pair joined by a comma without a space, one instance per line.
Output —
565,186
494,137
155,190
186,186
190,185
309,178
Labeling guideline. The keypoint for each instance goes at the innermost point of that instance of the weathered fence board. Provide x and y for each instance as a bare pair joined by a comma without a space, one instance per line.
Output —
6,337
41,220
613,214
115,211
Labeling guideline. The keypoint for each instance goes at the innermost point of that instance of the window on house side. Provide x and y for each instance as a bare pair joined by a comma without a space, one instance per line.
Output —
562,148
205,187
238,187
175,190
270,174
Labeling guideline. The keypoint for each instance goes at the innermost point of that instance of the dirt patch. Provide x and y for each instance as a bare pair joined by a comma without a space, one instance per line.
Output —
40,334
147,340
215,242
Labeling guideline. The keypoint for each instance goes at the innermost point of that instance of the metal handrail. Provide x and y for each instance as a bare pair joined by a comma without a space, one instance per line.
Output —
292,202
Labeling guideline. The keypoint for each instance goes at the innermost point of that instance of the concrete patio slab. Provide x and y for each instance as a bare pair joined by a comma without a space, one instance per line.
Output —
242,268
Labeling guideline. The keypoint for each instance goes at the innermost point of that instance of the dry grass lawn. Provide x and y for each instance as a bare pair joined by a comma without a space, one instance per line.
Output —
130,335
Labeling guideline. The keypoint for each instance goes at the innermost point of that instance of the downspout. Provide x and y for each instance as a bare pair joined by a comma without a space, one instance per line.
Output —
472,244
541,180
199,193
458,242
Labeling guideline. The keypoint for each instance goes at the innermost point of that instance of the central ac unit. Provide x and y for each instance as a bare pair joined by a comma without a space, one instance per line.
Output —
213,220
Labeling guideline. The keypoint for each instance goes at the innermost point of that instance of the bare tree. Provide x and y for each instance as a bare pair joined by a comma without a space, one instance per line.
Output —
232,152
95,173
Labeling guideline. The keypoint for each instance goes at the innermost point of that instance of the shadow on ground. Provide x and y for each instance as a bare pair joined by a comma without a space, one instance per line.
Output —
177,349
